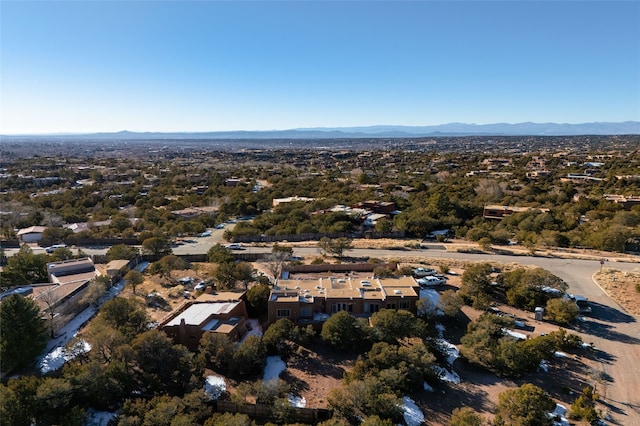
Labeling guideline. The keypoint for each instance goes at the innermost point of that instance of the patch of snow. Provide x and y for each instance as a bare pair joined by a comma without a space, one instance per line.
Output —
440,328
254,327
427,387
544,366
514,334
214,386
558,416
451,350
431,294
98,418
446,375
55,359
272,369
297,401
559,354
413,416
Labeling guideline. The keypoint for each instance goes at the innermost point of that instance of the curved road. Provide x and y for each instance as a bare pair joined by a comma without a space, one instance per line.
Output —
614,333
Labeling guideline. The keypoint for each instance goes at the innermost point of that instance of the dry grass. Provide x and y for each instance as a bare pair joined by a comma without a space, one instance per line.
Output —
621,287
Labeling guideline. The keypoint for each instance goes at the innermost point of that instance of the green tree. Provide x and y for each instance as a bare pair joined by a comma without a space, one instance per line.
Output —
257,299
125,315
217,349
562,311
450,303
134,278
22,332
338,246
244,273
156,246
24,267
344,332
18,403
475,282
122,252
166,265
390,325
526,405
160,366
248,358
465,416
220,254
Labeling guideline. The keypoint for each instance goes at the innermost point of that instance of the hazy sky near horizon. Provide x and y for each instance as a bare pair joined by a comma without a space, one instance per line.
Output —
94,66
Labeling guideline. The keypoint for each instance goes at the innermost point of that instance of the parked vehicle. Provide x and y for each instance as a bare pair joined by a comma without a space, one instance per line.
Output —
206,233
423,272
200,286
430,281
52,248
234,246
582,302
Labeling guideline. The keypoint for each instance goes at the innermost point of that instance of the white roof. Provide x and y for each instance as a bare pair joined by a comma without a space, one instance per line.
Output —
198,313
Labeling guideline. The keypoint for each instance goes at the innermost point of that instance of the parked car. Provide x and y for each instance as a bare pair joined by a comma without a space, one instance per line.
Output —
423,272
200,286
234,246
52,248
219,226
206,233
186,280
430,281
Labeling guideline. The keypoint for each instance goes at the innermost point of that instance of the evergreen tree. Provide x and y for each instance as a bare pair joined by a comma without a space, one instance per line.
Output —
22,332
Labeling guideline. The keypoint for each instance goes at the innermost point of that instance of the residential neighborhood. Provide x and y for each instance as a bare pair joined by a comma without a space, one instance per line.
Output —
326,258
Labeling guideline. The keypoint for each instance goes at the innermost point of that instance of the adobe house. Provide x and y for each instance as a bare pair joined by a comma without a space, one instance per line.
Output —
223,312
314,301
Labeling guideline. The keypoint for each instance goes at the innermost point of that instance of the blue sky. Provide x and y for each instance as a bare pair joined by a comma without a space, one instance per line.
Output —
89,66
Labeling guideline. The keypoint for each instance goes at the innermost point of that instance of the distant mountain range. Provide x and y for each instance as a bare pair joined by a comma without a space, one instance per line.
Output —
451,129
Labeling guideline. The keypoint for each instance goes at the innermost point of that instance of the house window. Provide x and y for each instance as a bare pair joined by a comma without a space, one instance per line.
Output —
337,307
391,305
404,304
371,308
281,313
305,312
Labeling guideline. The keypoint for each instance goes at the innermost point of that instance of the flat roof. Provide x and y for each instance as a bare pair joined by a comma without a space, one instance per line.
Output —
344,288
198,313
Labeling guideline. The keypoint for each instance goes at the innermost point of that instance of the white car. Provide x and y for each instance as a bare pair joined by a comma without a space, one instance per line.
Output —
205,234
234,246
423,272
430,281
52,248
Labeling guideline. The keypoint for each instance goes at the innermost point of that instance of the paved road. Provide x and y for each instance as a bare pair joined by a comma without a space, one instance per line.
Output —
610,328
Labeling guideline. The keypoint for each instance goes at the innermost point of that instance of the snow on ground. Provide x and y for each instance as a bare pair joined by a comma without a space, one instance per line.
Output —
559,416
452,351
544,366
514,334
427,387
446,375
98,418
57,357
254,327
53,357
440,328
214,386
559,354
272,369
297,401
413,416
432,296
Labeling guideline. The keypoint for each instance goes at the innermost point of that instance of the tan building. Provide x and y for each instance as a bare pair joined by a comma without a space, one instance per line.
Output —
314,301
224,313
